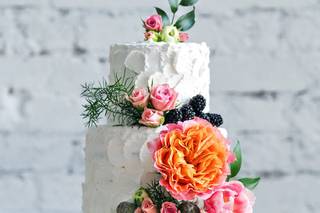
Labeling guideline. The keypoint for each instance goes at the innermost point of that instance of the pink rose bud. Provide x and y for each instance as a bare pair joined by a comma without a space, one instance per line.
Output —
183,37
163,98
151,118
138,210
147,206
150,36
168,207
153,22
139,98
230,197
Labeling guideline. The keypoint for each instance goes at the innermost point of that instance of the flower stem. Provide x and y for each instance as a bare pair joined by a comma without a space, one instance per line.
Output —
174,15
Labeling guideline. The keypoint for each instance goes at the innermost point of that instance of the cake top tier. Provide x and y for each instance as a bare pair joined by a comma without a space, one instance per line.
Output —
164,27
184,66
163,80
156,44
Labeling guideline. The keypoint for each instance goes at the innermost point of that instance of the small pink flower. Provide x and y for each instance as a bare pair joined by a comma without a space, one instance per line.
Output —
151,118
147,206
139,98
183,37
230,197
153,22
163,97
151,36
148,35
138,210
168,207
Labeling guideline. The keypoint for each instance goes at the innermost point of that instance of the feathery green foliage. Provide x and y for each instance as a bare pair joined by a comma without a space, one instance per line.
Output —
159,195
110,100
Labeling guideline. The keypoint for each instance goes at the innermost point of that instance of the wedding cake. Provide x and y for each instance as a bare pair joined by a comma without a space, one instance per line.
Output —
162,150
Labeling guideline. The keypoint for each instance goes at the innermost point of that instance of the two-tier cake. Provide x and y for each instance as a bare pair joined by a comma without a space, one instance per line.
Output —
162,150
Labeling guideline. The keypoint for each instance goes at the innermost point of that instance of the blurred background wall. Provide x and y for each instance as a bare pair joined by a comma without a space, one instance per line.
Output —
265,82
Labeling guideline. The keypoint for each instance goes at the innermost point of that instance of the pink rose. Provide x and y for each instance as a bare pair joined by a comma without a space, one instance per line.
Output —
168,207
183,37
163,97
147,206
138,210
153,22
151,118
230,197
139,98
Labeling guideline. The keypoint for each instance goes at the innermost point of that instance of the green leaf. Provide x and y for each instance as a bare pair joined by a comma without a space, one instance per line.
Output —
186,21
164,16
236,165
188,2
174,4
250,183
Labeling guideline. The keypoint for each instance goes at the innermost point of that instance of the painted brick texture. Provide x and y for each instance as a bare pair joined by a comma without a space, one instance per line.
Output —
265,82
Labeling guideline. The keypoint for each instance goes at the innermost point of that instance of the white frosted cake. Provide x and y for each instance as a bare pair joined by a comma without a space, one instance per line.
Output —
117,161
184,66
161,149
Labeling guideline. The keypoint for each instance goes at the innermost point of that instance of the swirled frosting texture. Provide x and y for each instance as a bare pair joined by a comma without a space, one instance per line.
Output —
184,66
117,163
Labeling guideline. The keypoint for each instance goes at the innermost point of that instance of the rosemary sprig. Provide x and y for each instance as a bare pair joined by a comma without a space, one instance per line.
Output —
159,195
109,100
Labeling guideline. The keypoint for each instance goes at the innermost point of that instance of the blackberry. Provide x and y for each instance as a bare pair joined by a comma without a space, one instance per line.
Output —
204,116
188,207
187,112
173,116
198,103
215,119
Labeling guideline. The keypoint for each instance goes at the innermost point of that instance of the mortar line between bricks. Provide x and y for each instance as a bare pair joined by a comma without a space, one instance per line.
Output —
42,133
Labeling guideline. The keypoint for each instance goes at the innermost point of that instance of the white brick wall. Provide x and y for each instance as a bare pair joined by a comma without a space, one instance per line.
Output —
266,83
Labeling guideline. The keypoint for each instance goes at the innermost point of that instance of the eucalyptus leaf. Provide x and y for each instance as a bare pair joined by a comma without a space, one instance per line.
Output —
186,21
164,16
188,2
250,183
236,165
174,4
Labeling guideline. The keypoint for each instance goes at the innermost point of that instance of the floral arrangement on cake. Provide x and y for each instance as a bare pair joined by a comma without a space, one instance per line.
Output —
196,169
197,173
160,28
150,107
192,156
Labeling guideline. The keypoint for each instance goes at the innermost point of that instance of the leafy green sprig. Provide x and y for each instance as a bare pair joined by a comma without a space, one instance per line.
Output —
110,100
248,182
183,23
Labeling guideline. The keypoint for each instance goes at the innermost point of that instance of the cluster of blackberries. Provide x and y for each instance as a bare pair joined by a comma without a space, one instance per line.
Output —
194,108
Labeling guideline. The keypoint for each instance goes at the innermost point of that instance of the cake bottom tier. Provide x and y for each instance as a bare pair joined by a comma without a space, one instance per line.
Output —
117,163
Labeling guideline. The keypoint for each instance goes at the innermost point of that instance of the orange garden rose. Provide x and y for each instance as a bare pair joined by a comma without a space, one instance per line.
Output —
193,157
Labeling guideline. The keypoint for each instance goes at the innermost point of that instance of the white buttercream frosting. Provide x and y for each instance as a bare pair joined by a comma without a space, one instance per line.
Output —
184,66
117,160
117,163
